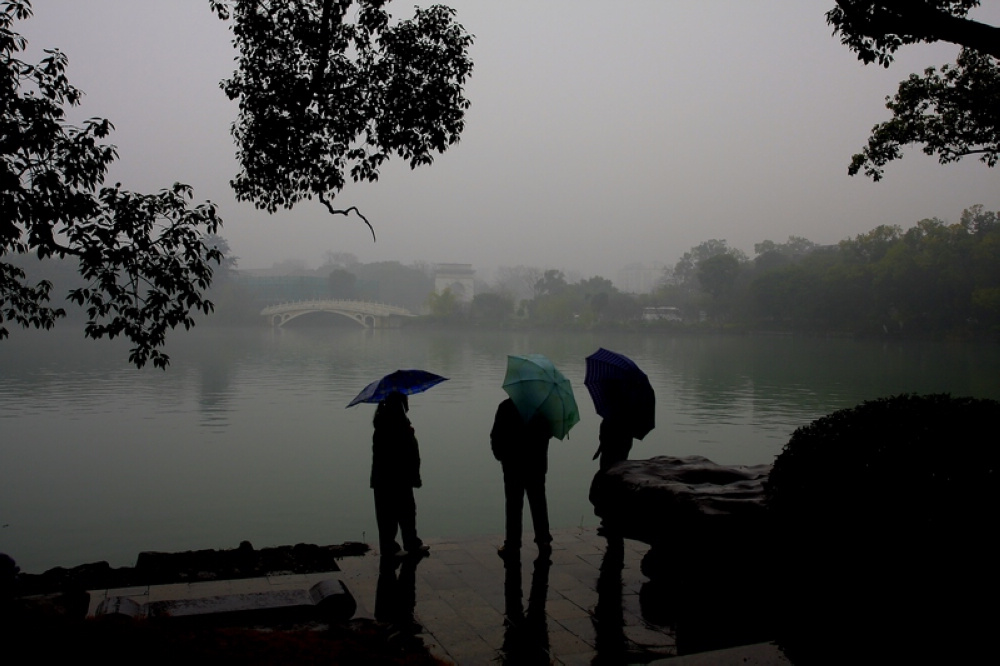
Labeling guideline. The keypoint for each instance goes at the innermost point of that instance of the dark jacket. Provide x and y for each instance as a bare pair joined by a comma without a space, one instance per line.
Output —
519,445
395,453
615,441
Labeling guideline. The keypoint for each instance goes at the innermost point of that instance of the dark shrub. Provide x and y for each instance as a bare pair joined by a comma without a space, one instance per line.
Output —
886,515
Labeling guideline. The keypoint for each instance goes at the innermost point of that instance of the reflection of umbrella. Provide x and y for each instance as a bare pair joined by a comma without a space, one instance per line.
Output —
404,381
621,390
536,387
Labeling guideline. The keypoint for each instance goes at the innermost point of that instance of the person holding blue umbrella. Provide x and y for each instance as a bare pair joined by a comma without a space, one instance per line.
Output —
396,459
395,473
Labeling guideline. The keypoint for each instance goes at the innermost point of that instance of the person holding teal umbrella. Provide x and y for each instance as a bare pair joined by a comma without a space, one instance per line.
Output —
541,404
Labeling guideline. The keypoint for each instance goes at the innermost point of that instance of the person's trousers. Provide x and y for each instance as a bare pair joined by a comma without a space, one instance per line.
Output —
395,509
516,486
613,454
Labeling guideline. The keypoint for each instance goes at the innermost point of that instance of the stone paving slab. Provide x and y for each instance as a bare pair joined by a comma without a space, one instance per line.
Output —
213,598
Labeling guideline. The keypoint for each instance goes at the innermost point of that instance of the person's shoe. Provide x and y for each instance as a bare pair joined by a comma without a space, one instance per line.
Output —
545,552
423,550
509,553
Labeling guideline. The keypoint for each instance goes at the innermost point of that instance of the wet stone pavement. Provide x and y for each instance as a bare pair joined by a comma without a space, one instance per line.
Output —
466,604
470,607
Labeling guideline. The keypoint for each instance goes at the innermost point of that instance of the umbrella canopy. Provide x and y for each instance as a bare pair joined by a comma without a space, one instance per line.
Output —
621,390
536,387
406,382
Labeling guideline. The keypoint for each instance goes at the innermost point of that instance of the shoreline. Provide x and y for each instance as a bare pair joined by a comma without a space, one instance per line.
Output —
160,568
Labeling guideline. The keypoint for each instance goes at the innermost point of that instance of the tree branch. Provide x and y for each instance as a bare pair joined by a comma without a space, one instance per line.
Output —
919,19
347,211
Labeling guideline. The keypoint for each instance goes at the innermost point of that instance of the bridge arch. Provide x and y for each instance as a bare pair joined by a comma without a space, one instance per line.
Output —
364,313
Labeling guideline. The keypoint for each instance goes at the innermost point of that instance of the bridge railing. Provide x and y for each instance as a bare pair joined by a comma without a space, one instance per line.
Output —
367,307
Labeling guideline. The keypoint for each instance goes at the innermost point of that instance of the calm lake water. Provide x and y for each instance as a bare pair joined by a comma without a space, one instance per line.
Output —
246,435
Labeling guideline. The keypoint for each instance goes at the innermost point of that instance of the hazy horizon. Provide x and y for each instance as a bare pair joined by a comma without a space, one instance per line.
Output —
599,135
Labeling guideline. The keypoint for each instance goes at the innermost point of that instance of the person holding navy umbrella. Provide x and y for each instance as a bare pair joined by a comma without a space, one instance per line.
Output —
624,398
615,434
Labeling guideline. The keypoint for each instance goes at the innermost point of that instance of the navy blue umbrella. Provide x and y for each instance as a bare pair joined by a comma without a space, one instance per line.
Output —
621,390
406,382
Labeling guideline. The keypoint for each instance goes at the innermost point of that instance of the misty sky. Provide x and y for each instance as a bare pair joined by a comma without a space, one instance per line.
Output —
601,133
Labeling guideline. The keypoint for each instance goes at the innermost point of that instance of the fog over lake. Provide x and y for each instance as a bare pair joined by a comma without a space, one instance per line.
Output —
246,435
600,134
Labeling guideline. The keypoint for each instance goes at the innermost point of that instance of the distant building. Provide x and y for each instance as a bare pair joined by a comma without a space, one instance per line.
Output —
459,278
662,313
269,288
639,278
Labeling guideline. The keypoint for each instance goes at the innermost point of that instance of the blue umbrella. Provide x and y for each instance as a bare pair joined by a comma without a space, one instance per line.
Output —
621,390
406,382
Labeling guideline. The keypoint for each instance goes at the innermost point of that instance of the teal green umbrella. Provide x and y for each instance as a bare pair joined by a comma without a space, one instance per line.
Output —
536,387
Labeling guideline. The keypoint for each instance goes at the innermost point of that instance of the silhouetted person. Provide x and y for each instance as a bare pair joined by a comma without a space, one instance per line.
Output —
395,473
615,436
526,636
523,450
615,441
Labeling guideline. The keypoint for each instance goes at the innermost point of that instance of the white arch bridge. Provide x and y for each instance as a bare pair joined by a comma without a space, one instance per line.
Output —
369,315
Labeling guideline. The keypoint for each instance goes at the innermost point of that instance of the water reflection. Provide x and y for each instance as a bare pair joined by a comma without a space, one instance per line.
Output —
245,436
396,595
609,616
526,634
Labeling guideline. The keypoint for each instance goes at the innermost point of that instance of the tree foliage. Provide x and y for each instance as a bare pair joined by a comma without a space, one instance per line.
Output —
442,305
685,271
589,302
551,283
143,256
331,88
952,112
491,308
934,278
342,283
392,282
718,274
518,282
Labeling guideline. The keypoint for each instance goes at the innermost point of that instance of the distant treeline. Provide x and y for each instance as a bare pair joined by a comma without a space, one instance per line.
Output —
932,280
935,279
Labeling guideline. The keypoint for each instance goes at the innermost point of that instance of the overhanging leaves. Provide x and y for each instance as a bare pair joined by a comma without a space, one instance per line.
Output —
328,88
953,113
143,256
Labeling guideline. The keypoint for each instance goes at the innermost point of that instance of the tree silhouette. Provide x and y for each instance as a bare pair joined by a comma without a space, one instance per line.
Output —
143,256
953,112
328,88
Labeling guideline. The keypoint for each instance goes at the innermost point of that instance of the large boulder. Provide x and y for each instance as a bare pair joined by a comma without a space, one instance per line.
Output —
872,539
710,546
665,499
